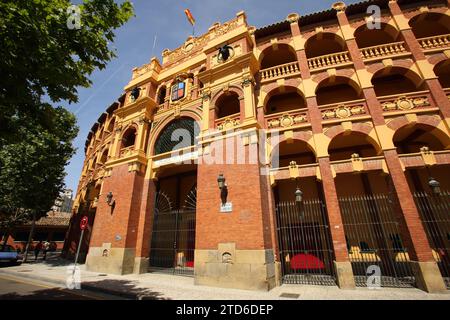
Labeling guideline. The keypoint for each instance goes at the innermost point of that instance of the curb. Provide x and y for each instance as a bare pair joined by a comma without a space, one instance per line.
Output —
87,287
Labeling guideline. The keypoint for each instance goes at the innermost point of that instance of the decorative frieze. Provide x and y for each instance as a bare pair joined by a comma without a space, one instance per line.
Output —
287,120
343,111
405,103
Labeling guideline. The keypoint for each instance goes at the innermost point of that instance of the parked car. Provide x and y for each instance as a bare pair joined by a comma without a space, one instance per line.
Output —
9,254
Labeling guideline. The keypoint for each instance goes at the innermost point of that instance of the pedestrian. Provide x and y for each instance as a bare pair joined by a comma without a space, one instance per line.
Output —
37,249
46,247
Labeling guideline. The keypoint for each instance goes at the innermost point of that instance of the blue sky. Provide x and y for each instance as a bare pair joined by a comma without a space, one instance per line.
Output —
166,19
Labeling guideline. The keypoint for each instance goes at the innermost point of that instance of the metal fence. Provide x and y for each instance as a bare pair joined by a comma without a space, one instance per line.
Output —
305,245
173,242
374,239
434,212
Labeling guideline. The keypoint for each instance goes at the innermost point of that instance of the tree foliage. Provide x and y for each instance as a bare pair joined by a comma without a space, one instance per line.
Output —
43,61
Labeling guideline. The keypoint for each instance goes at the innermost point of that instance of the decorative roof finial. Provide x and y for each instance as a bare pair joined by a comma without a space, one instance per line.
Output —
339,6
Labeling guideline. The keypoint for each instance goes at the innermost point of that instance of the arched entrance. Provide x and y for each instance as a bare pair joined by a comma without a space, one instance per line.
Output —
174,214
369,213
304,240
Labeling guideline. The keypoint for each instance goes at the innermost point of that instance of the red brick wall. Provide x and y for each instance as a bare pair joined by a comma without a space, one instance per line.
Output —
248,225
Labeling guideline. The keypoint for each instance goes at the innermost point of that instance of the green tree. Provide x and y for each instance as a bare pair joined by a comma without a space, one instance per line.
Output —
45,55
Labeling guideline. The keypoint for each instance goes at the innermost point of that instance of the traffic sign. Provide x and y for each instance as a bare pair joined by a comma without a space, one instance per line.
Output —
83,222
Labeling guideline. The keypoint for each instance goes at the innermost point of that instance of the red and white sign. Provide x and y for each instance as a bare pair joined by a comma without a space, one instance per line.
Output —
83,223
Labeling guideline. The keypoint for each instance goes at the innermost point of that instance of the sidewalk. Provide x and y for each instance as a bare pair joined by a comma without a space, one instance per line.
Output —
162,286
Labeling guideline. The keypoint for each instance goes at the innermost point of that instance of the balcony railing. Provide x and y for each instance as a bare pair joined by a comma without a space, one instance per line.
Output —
406,101
286,119
384,50
328,60
435,42
281,71
229,122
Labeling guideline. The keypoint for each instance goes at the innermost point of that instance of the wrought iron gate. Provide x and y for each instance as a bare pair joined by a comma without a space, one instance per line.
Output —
173,237
304,240
373,238
435,215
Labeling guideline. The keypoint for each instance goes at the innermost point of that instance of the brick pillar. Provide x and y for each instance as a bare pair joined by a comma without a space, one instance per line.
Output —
343,268
342,263
145,225
426,271
234,249
113,241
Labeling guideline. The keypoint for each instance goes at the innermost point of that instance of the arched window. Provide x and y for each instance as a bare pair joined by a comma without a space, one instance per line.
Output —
129,138
275,57
162,95
178,134
337,90
396,81
104,157
366,37
228,104
323,44
111,124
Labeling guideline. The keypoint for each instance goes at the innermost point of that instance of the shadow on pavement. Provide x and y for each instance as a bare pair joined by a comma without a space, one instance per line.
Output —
123,288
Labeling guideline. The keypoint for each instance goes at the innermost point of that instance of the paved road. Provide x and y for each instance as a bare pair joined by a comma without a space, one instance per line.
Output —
15,288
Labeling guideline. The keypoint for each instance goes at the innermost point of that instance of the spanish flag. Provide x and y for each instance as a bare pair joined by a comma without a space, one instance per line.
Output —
189,16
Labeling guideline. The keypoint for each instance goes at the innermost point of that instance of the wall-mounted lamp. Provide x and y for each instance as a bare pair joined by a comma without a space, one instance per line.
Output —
298,196
223,188
109,199
434,185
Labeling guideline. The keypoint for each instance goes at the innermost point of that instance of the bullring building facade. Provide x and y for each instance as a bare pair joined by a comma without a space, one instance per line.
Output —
315,150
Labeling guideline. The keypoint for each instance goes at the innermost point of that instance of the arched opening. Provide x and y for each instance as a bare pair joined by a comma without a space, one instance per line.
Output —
442,71
111,125
336,90
285,100
344,145
200,84
409,139
304,239
392,81
366,37
104,157
129,138
162,95
429,24
275,56
296,150
178,134
228,105
322,44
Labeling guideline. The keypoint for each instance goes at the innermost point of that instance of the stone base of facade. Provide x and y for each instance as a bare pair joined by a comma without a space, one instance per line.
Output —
428,277
344,275
113,261
141,265
238,269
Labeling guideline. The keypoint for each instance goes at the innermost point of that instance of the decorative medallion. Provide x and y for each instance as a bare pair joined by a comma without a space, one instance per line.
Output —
404,104
343,112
